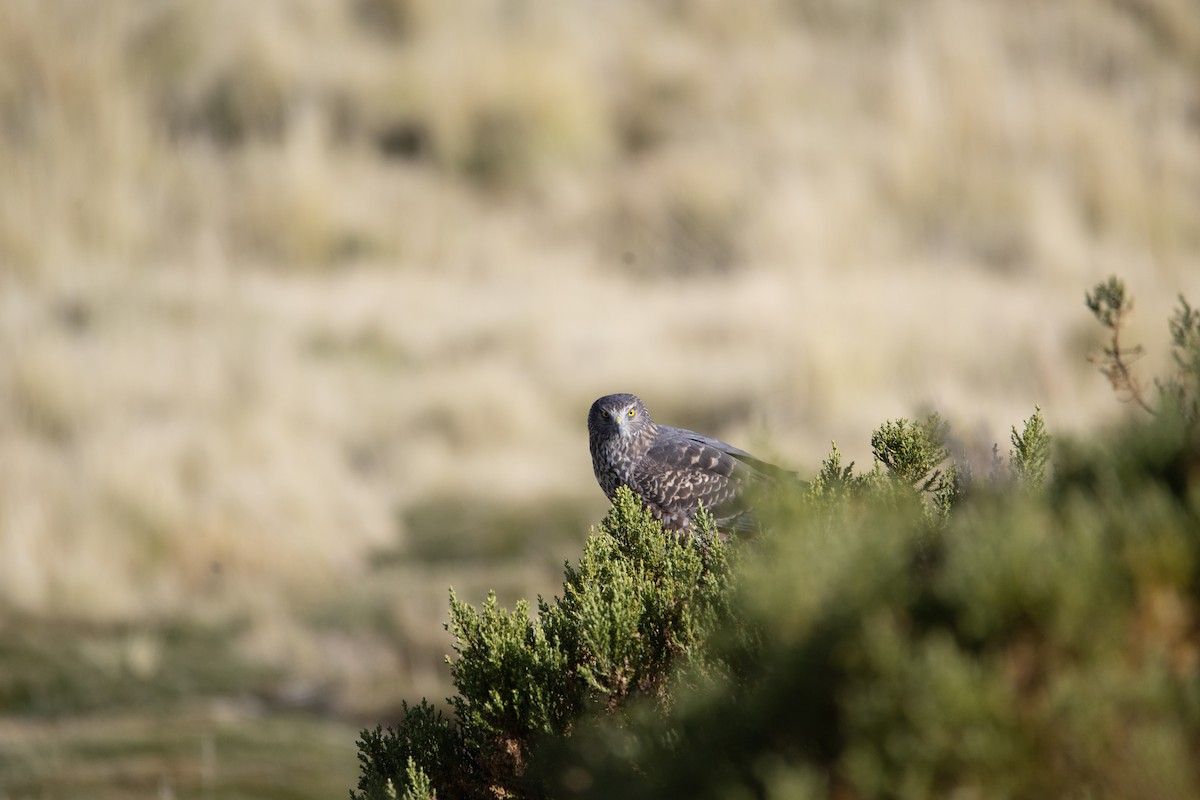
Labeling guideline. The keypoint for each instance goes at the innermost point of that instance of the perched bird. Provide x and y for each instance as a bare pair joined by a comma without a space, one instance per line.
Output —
673,470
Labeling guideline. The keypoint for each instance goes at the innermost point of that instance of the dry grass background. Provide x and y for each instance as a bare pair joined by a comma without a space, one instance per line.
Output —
302,303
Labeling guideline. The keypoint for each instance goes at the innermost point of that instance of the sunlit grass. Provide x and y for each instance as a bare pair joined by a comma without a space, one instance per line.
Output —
302,304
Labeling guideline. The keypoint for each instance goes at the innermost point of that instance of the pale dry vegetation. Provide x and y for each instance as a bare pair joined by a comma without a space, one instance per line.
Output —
297,297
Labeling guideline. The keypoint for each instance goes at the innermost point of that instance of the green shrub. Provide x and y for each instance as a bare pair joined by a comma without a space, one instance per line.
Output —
637,604
1033,645
904,632
1031,451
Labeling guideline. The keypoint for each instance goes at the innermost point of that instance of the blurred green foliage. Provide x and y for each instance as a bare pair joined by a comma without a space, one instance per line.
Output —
64,667
1048,649
906,632
189,753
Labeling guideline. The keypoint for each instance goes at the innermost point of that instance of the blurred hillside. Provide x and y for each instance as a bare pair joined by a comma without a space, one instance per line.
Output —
302,304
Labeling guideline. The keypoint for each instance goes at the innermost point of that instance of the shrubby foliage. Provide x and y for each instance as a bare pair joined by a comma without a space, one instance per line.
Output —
905,632
637,604
1031,451
1033,645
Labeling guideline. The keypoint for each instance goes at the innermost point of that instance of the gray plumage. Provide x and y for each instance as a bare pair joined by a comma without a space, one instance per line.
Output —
672,470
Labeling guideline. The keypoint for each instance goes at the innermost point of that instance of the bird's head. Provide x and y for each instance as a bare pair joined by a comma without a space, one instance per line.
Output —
618,415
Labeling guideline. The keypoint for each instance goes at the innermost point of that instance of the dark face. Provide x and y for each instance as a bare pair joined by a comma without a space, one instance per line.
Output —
617,415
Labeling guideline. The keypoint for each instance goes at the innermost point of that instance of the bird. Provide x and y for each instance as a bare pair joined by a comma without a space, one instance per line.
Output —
673,470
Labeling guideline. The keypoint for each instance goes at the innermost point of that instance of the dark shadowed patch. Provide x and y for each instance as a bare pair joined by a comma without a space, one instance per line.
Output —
469,528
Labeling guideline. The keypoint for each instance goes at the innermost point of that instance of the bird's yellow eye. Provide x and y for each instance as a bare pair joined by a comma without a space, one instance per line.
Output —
633,412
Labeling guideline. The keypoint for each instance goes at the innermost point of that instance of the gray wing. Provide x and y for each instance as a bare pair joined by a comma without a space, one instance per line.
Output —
683,469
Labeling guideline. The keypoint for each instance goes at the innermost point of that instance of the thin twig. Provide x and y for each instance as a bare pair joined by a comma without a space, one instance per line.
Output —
1113,363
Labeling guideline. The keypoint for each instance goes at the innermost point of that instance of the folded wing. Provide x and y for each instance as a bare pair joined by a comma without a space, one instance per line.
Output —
684,470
